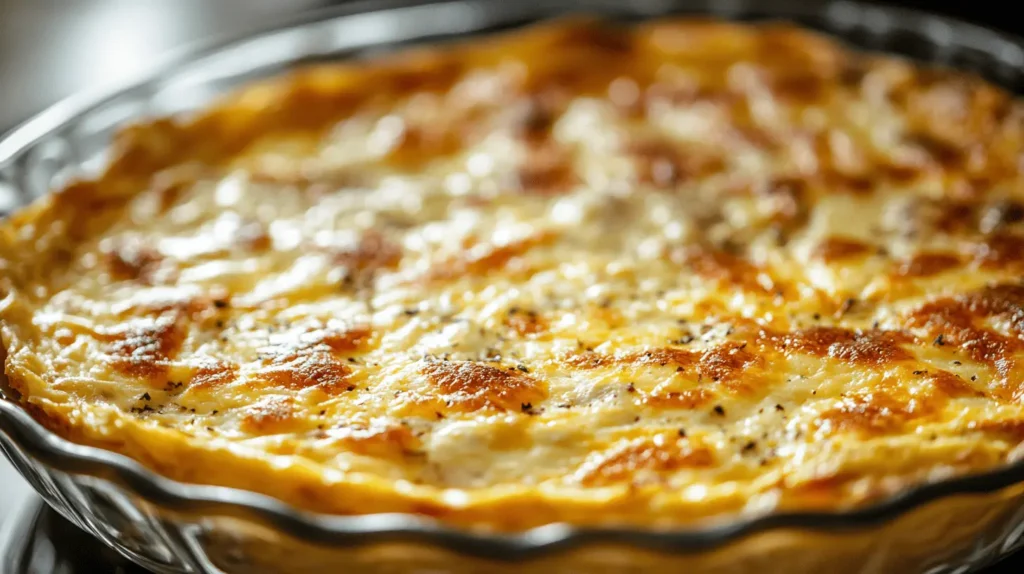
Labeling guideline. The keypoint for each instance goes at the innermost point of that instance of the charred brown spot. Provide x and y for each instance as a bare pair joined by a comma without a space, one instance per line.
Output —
958,321
871,347
421,72
310,359
663,163
420,144
800,87
999,250
1000,215
589,360
533,117
838,182
729,362
253,236
214,374
526,323
663,356
373,251
371,254
953,216
546,170
993,220
732,270
950,385
482,259
130,259
144,347
1006,301
950,111
927,265
656,455
601,38
270,415
789,202
946,154
947,315
874,413
469,386
306,369
840,248
356,338
803,61
581,50
378,439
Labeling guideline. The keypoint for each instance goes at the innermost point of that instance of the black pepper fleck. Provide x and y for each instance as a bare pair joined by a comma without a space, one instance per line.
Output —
848,304
719,410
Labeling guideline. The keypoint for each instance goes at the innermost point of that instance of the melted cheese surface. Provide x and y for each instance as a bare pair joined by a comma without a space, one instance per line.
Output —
580,273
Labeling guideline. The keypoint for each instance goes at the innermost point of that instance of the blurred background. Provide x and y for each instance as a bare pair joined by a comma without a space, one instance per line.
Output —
50,49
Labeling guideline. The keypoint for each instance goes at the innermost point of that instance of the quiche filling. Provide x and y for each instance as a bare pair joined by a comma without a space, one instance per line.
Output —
641,275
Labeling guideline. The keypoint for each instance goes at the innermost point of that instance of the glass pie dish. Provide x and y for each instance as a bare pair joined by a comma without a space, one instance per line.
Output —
168,526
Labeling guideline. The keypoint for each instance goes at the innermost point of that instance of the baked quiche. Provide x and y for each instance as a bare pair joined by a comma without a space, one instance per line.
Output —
642,275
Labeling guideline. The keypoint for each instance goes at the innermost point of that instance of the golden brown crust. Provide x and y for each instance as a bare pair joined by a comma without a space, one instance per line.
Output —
580,273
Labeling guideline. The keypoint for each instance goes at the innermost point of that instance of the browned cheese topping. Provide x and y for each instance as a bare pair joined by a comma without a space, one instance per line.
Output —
581,272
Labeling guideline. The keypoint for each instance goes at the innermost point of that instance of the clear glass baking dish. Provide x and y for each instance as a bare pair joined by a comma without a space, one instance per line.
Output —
166,526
